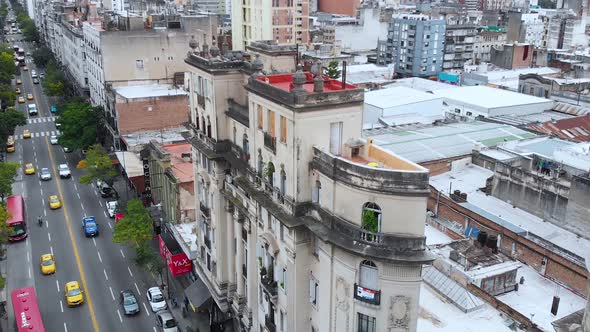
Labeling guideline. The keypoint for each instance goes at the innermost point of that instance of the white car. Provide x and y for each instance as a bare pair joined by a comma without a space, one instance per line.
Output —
64,171
53,139
156,299
111,207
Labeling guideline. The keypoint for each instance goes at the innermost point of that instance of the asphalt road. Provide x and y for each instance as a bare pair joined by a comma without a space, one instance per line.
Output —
102,267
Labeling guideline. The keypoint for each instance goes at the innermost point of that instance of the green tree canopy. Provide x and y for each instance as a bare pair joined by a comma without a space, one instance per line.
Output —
7,173
135,228
42,56
78,122
98,165
332,71
7,95
53,84
9,120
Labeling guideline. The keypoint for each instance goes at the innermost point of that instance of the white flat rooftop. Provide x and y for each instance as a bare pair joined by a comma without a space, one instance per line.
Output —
489,97
397,96
146,91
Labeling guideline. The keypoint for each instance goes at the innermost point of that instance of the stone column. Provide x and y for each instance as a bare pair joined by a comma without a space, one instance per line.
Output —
231,267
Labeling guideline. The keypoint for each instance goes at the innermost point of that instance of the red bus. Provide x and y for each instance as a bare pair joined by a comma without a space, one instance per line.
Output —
26,310
15,206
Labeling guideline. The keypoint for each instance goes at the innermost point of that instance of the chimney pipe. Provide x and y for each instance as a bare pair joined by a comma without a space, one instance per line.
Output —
343,75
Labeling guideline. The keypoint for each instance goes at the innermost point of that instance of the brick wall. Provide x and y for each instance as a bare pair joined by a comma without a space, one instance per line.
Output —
558,268
166,112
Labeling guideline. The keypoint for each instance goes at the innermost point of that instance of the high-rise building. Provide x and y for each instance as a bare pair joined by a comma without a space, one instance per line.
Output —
282,21
295,228
415,45
459,39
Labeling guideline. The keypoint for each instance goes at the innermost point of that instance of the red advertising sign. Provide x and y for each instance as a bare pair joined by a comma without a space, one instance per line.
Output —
177,263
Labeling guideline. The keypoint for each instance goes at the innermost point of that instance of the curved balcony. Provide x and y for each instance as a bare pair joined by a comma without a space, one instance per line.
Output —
367,166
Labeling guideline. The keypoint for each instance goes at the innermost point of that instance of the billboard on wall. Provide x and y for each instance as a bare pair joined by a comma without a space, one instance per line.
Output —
178,262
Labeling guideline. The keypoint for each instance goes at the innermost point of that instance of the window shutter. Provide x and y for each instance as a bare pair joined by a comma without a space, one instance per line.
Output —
369,277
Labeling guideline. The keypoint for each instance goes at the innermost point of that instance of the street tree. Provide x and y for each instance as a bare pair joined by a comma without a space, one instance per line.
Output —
5,231
53,84
78,122
42,56
148,258
332,71
135,228
98,165
7,174
9,120
7,95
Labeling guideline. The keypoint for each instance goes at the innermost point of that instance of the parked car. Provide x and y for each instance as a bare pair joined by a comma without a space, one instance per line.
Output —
111,208
165,322
156,299
129,302
35,80
53,139
106,191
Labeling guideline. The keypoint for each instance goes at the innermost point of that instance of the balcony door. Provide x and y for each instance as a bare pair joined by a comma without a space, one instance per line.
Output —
335,138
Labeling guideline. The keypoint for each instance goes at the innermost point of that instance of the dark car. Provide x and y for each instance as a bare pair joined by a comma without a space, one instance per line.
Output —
129,302
106,191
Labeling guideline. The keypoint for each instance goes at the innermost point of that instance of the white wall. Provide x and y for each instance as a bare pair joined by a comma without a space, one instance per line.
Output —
362,37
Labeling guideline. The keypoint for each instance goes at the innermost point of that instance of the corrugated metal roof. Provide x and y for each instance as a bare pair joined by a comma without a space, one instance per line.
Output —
574,129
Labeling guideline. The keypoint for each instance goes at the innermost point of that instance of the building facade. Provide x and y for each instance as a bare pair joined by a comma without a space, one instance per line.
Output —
487,38
459,40
343,7
295,228
283,21
415,45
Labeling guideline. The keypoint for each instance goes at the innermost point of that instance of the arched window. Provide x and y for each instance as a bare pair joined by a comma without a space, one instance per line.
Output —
283,186
270,173
371,218
315,194
369,275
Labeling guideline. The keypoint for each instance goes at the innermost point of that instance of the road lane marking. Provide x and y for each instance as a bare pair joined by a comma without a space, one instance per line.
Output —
51,249
138,292
112,294
128,269
29,273
46,221
65,326
155,329
78,194
122,254
75,186
82,205
146,309
43,200
28,257
105,214
57,284
61,305
49,236
105,274
119,313
100,202
73,243
41,191
39,183
99,258
45,212
111,227
94,241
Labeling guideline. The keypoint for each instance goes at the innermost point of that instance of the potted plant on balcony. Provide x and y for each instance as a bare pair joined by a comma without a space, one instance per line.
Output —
263,272
370,222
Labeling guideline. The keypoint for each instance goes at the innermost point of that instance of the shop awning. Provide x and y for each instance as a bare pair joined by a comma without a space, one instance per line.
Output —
197,294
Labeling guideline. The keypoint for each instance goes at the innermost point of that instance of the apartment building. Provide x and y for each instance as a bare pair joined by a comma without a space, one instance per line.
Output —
487,37
283,21
459,40
415,45
295,228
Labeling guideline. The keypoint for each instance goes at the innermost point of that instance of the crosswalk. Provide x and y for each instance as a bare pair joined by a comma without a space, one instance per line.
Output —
41,134
42,119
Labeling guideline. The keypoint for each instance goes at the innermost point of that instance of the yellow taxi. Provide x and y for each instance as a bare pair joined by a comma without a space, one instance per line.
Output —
25,68
17,91
29,169
19,81
47,264
21,100
54,202
74,295
10,145
29,96
26,133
